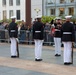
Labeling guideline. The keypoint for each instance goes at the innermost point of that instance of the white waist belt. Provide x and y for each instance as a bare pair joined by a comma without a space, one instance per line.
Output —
67,33
12,30
37,31
57,30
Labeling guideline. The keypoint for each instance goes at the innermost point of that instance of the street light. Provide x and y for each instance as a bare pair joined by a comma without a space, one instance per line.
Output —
37,10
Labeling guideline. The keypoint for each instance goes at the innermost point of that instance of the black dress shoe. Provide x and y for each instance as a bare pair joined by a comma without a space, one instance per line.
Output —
56,54
59,55
38,59
13,56
67,63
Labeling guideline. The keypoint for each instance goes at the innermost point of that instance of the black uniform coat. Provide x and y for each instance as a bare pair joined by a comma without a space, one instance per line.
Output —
57,32
13,30
38,26
67,27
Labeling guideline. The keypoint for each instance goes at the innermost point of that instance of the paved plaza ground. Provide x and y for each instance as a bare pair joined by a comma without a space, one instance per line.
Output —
26,64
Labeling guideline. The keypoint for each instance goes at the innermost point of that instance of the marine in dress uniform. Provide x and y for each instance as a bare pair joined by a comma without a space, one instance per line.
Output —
57,37
68,36
38,29
13,33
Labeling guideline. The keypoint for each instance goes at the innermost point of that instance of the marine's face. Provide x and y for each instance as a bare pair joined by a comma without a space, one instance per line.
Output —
13,20
68,19
58,21
39,19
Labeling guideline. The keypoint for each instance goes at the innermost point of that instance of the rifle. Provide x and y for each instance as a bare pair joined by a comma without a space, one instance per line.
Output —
17,48
72,53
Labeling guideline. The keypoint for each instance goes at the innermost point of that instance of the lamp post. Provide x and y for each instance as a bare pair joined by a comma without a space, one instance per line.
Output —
28,12
37,10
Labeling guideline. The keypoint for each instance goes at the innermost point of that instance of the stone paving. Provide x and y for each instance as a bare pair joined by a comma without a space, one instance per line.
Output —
25,65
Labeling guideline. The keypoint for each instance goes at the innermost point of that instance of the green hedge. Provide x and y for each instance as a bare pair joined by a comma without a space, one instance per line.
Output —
46,19
9,20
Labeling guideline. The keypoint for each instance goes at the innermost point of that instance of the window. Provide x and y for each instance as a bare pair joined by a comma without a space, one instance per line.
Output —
61,11
10,13
71,11
17,2
49,2
52,11
4,14
62,1
11,2
18,14
3,2
71,1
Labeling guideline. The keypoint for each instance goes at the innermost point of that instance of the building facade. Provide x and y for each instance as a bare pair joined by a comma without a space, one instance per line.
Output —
9,8
60,7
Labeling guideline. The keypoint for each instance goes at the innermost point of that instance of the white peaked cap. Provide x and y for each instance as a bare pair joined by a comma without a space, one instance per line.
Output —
69,16
13,17
39,16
